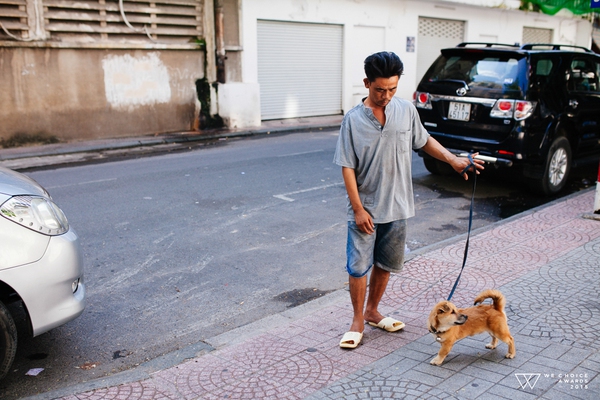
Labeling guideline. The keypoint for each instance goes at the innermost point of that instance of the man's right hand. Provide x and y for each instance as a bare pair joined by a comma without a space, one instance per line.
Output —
364,222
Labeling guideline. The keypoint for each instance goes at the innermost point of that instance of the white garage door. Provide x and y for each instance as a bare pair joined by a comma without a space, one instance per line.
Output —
299,69
536,35
434,35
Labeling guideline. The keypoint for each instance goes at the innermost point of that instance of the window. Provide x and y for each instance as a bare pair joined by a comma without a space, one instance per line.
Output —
583,75
97,23
486,72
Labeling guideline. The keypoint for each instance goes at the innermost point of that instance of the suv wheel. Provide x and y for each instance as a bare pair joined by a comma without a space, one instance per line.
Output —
8,340
437,167
557,168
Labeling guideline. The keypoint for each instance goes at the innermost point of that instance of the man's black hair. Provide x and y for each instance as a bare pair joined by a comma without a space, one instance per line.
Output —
384,64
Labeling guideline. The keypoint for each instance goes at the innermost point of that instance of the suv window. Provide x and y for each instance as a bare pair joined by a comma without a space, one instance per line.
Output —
583,75
492,72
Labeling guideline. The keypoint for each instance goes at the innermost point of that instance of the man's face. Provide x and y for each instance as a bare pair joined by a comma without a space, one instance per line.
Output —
381,90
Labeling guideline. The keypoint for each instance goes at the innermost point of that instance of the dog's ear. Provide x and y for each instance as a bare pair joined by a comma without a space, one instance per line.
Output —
443,309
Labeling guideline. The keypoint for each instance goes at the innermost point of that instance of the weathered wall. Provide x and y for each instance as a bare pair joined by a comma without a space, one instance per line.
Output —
89,93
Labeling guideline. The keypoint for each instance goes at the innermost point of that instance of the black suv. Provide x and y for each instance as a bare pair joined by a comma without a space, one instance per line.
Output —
535,108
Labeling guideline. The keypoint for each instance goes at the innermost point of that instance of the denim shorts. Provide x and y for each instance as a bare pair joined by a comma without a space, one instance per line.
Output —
384,248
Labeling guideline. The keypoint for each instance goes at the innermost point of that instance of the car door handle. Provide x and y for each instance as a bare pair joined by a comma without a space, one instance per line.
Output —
573,103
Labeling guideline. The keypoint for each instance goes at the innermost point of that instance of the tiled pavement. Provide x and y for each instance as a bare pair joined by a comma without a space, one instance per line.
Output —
546,262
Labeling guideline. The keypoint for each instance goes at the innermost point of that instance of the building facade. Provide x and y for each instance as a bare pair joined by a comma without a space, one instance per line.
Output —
307,56
84,69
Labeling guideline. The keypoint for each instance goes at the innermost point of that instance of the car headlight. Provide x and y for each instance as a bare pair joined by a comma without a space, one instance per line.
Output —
36,213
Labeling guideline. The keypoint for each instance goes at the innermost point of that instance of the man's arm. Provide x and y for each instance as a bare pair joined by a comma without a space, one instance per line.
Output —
436,150
361,216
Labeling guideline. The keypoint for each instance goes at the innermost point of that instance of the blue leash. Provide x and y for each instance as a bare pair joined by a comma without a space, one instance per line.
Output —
471,164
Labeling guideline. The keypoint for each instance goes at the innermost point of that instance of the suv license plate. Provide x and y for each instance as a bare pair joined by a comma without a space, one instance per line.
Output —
459,111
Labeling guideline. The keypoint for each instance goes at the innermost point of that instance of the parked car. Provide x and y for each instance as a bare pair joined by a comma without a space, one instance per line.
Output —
536,107
40,262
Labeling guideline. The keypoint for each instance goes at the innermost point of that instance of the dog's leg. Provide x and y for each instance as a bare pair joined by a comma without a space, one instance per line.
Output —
493,344
444,351
511,346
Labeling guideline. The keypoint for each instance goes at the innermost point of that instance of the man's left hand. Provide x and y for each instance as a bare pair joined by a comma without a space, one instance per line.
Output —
463,164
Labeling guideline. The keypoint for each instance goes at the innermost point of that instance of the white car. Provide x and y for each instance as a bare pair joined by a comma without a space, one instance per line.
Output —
40,262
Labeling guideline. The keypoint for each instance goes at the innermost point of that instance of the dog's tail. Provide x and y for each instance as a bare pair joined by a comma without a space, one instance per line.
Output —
495,295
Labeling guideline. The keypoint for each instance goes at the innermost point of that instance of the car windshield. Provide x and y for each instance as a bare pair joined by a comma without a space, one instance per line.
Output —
492,72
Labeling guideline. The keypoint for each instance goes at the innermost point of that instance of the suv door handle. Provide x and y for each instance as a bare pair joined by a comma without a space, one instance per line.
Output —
573,103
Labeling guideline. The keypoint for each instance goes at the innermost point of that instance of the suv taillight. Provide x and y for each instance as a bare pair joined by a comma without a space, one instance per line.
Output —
422,100
517,109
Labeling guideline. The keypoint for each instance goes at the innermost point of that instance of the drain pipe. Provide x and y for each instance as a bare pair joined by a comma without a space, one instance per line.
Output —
220,41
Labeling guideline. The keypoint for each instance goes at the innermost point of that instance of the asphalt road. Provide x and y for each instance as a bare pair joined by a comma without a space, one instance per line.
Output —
184,246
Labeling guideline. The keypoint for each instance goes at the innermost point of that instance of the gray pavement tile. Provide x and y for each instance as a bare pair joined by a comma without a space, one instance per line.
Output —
554,351
528,348
489,396
457,361
455,382
575,356
499,357
485,365
437,393
474,389
418,376
562,392
434,370
548,365
368,385
531,341
416,355
510,393
591,365
595,357
393,365
485,375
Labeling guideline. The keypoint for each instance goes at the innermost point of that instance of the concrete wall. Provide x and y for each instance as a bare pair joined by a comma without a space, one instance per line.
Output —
90,93
395,20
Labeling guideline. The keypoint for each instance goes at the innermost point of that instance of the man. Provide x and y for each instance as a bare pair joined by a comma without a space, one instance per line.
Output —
374,151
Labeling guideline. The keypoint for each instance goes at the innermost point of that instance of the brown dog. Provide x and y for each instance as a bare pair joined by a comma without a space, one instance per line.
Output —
449,324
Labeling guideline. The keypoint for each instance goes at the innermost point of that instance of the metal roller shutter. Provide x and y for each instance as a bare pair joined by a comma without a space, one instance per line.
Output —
299,69
536,35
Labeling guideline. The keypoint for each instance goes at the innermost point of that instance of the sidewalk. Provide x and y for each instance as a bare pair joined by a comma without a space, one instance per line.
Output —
546,261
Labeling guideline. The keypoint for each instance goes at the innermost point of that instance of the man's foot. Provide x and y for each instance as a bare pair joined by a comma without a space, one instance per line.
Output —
388,324
351,340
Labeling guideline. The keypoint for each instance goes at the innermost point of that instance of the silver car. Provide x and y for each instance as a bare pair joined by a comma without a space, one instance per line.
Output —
40,262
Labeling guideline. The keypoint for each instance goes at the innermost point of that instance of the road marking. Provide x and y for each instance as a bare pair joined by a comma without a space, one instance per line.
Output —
284,196
301,153
82,183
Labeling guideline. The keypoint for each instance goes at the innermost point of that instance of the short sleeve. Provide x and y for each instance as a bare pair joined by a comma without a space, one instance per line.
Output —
345,155
420,134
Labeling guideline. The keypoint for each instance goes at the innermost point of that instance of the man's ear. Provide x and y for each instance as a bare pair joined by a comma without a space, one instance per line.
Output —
367,82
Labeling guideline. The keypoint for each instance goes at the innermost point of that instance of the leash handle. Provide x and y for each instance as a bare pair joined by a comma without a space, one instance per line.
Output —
470,224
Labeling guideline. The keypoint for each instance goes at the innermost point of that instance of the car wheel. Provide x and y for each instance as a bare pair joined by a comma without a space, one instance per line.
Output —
557,168
8,340
437,167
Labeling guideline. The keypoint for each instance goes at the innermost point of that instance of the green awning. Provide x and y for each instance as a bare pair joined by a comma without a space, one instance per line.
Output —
578,7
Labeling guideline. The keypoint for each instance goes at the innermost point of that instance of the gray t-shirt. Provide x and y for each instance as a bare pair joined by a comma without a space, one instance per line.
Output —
381,158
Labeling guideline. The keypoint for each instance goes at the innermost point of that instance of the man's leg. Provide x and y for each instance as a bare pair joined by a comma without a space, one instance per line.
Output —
377,286
358,291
